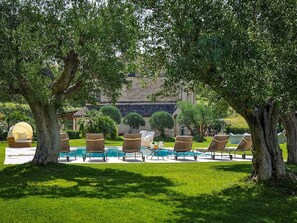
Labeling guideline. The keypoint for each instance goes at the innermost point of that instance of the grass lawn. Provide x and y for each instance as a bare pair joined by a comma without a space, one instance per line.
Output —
142,192
237,120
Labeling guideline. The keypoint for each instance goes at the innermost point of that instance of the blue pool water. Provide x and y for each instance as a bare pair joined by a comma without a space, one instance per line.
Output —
113,151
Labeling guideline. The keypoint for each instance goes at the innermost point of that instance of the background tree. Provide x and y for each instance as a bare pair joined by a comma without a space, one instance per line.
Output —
113,112
14,117
218,106
55,51
10,114
224,45
290,123
196,117
96,122
15,112
134,120
161,120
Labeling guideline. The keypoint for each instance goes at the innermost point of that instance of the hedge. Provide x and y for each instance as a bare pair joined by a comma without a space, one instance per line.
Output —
236,130
73,134
6,108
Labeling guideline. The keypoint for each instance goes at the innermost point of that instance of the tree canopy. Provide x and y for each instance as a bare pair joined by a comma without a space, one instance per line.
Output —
234,47
57,48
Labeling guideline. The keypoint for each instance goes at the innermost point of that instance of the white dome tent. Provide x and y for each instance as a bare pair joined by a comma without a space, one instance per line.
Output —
20,135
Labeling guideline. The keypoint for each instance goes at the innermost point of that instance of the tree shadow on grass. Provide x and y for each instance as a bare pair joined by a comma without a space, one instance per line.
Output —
237,167
249,202
62,180
245,202
248,168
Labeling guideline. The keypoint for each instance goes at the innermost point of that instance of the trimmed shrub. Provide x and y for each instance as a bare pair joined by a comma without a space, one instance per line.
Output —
113,112
164,139
161,120
236,130
96,122
73,134
198,138
134,120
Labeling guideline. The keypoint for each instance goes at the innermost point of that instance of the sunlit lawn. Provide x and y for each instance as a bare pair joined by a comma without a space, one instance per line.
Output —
142,192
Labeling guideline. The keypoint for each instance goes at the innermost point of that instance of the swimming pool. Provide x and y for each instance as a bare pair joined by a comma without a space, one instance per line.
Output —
115,151
112,151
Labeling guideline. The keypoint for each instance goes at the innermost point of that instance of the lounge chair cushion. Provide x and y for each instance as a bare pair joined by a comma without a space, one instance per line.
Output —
132,143
183,143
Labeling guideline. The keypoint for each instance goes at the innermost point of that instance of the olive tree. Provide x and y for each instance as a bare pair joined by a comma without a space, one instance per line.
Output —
61,50
225,45
196,117
280,24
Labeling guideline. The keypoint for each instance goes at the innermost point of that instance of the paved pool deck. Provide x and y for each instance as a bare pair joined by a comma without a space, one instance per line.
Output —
24,155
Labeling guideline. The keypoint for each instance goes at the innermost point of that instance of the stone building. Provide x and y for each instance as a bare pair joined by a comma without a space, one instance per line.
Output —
137,99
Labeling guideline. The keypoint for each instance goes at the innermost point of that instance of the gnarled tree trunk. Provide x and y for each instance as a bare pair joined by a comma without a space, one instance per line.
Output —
44,109
267,156
290,123
48,137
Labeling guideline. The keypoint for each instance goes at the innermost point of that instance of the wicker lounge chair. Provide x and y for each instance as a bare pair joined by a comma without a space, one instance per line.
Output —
65,147
95,144
12,143
244,145
217,144
183,145
132,144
